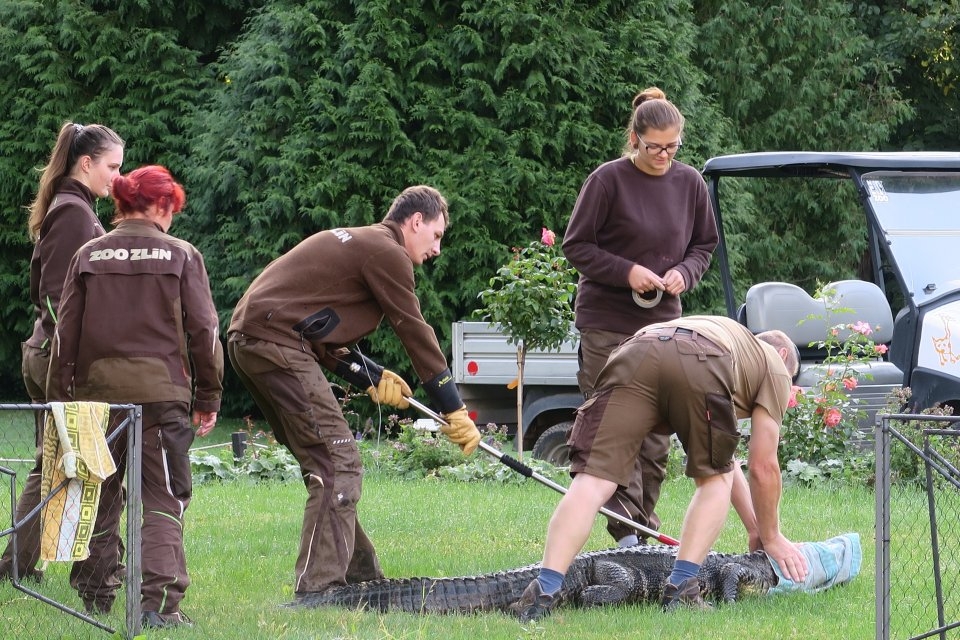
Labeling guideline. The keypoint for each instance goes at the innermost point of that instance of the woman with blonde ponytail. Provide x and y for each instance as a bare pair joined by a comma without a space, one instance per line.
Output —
84,161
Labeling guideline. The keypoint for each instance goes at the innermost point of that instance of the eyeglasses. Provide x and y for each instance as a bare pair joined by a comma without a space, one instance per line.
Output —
657,149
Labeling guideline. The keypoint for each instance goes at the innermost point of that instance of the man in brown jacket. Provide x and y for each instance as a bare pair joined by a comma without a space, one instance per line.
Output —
305,313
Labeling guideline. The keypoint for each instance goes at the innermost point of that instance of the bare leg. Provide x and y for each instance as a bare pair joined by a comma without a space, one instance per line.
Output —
705,517
573,519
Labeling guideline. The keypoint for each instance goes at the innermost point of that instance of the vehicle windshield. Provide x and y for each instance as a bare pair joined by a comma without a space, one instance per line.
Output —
920,218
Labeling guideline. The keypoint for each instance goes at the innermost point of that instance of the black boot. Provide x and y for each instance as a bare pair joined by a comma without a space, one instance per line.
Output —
533,603
686,594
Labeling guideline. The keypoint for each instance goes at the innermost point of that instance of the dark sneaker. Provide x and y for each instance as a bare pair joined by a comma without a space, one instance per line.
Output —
687,594
6,573
154,620
97,606
533,603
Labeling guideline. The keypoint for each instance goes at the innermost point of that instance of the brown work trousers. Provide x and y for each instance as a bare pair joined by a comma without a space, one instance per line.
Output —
671,380
167,487
34,369
297,401
638,500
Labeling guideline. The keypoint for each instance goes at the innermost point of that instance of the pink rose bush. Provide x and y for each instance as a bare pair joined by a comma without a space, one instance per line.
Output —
822,420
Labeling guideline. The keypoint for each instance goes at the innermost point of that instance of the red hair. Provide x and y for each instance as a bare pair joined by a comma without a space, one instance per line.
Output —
141,188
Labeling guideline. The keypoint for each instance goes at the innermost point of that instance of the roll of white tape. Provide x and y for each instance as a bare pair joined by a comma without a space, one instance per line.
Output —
647,303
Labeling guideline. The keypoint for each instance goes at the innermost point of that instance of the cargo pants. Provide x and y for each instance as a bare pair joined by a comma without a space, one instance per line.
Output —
296,399
167,487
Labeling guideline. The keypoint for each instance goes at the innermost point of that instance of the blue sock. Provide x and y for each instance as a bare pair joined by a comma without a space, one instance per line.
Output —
682,570
550,581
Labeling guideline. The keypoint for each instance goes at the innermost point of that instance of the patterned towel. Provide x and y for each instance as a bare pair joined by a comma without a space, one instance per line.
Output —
831,562
75,449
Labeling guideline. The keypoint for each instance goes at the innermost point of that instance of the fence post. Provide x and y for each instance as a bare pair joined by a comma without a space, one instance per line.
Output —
239,441
882,492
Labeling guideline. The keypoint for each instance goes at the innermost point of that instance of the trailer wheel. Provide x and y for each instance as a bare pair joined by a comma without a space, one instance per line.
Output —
552,445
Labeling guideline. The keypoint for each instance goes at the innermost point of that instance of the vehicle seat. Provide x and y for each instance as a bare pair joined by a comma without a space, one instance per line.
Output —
742,314
785,306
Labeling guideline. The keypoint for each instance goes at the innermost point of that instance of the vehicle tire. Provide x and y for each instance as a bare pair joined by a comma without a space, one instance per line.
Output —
552,446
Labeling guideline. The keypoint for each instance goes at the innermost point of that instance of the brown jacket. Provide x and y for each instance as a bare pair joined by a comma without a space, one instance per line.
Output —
333,289
137,323
69,223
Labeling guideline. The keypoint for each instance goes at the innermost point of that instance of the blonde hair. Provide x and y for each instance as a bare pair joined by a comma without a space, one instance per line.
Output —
651,110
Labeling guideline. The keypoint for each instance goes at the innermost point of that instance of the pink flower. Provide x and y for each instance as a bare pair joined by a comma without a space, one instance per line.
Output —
862,328
850,383
794,392
880,348
832,417
548,237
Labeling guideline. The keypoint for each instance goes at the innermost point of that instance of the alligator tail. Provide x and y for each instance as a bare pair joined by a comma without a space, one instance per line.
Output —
488,592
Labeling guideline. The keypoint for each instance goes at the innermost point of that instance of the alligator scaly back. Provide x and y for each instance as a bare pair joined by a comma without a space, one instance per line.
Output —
613,576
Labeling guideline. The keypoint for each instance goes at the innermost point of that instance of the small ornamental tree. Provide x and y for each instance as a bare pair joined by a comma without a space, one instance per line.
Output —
530,299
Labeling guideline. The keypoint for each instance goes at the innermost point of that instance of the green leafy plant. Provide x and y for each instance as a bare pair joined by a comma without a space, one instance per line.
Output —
530,299
207,467
416,453
264,460
822,420
531,296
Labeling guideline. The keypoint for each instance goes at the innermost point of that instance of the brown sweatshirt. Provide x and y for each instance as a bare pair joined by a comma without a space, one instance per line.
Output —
623,217
137,323
333,289
69,223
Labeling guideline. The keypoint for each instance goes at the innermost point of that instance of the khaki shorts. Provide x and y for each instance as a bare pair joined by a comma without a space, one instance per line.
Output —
663,380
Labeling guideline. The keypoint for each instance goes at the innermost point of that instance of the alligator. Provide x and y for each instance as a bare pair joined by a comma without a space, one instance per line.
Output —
613,576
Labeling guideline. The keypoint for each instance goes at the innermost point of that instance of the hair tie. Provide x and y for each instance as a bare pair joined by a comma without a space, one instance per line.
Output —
78,128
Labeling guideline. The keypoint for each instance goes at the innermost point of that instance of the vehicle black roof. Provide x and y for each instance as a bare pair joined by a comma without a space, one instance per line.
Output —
827,164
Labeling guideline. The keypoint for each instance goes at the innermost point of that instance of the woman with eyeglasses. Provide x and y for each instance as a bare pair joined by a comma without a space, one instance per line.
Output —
641,233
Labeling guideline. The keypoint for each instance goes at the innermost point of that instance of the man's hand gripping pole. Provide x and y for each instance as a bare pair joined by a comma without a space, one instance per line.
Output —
524,470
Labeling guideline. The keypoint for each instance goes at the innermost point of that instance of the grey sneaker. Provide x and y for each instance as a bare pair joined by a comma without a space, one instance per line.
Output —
533,603
687,594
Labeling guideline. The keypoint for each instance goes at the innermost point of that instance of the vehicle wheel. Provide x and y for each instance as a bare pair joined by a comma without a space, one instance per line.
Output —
552,445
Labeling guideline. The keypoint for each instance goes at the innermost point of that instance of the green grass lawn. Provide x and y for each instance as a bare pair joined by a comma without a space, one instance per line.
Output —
242,540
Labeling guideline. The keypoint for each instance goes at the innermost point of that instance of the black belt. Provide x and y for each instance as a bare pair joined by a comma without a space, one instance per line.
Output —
665,333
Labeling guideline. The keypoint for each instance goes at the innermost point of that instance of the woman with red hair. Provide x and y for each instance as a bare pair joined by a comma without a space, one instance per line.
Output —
138,325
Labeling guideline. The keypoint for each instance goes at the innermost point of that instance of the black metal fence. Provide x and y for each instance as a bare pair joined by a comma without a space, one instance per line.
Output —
917,527
47,606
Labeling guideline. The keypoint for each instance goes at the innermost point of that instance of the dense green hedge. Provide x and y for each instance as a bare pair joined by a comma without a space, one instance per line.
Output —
286,117
321,116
